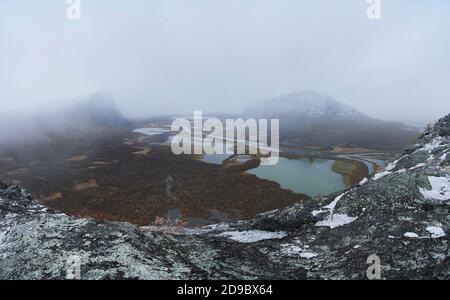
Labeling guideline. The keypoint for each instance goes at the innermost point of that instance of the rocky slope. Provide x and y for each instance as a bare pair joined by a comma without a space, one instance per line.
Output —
401,215
310,118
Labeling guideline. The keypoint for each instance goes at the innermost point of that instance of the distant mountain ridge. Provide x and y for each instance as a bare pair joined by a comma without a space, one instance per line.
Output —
313,119
307,104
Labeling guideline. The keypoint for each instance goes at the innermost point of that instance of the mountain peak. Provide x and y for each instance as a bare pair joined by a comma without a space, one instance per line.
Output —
99,109
306,104
313,119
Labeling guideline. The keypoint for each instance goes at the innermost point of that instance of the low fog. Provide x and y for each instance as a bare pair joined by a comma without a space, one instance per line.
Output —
176,56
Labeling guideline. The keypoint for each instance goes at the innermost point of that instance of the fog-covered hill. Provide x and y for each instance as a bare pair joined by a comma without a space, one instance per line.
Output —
81,118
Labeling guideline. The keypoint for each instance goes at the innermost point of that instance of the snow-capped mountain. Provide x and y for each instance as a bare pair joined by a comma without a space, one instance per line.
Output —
309,105
310,118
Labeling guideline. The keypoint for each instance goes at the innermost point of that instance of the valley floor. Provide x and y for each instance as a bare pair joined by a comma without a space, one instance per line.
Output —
119,175
124,176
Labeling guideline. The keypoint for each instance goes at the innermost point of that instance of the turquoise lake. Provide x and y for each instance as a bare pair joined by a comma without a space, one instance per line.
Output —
311,177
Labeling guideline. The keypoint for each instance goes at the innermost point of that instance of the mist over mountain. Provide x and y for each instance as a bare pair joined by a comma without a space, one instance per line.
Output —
99,110
81,118
313,119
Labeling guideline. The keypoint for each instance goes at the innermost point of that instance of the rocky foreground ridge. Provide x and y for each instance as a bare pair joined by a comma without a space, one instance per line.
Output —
401,215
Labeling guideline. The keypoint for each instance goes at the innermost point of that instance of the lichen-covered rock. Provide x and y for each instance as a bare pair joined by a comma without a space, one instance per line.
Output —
39,243
413,159
290,218
442,128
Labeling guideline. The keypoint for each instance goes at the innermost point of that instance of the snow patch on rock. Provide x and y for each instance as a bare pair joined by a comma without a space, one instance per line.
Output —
333,204
218,227
308,255
436,231
381,175
440,188
411,235
251,236
418,166
297,250
318,212
391,166
336,220
363,181
330,207
436,142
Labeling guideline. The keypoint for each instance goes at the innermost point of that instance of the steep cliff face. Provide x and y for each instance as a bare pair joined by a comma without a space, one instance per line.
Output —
399,216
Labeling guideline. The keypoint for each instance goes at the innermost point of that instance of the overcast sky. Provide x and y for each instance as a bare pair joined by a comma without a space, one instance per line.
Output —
173,56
